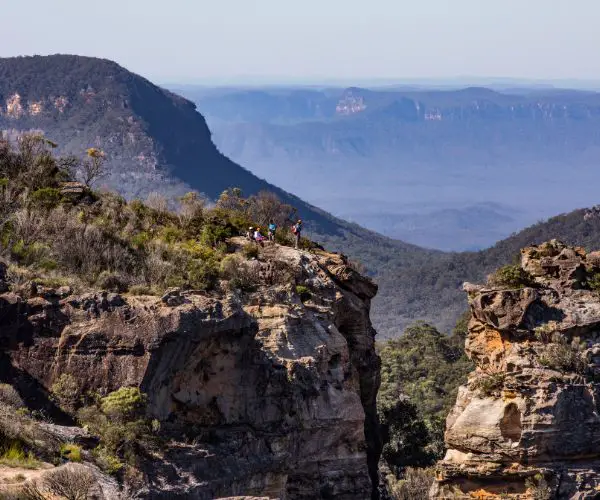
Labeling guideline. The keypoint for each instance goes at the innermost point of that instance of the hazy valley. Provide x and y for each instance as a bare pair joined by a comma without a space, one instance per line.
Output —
448,169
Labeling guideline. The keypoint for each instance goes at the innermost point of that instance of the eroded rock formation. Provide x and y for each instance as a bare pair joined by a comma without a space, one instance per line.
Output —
527,424
264,394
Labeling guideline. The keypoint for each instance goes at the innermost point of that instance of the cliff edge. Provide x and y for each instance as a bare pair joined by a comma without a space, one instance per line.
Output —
527,424
269,391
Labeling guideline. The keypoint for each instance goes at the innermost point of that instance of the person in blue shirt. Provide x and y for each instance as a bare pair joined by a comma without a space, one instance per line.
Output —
272,229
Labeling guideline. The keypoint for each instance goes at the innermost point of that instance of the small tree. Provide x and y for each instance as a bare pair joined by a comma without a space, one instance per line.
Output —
266,206
93,167
157,202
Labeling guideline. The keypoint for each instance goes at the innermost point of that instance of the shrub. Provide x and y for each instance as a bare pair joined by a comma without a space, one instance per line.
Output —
511,276
538,488
65,390
117,420
10,397
45,198
489,384
544,332
112,282
172,234
242,275
29,491
594,282
140,290
108,461
563,356
70,452
414,483
124,404
284,237
14,455
250,251
303,292
71,482
139,240
202,274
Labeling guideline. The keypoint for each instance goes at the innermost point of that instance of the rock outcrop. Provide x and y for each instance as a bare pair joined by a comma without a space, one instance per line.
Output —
527,424
269,393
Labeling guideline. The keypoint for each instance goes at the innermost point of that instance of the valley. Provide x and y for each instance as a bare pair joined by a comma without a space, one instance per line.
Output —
446,169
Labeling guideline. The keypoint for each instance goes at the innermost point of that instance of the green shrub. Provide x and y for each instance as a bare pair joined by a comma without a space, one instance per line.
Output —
303,292
124,403
45,198
202,274
172,234
250,251
511,276
118,421
70,452
108,460
538,488
140,240
594,282
15,456
65,390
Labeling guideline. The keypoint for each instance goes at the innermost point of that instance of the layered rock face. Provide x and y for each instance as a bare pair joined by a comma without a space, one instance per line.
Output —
263,394
527,424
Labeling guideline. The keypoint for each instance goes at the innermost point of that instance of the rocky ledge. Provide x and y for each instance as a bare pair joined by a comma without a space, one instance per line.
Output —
527,424
269,392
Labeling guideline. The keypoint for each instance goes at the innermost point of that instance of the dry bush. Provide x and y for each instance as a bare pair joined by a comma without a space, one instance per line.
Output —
10,397
158,202
72,482
242,274
29,491
415,484
191,208
266,206
28,225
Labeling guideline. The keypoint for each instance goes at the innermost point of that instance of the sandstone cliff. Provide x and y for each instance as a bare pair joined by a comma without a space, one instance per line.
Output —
268,392
527,424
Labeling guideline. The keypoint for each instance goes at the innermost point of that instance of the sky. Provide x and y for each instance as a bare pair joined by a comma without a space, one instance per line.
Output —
278,41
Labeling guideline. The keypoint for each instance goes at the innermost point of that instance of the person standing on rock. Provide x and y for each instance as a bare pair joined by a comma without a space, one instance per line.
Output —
272,229
297,230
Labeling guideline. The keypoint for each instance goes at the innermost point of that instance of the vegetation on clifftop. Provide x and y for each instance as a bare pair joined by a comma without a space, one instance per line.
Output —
57,231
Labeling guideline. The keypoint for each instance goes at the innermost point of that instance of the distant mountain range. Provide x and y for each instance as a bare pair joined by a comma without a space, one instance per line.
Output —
157,141
448,169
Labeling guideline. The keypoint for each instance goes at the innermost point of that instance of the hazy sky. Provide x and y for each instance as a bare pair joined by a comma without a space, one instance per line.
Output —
232,40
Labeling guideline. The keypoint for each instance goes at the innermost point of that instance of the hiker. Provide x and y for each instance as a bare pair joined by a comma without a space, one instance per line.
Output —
250,233
272,229
297,230
259,238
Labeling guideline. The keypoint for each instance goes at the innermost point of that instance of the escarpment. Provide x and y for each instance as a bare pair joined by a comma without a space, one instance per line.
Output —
268,392
527,424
